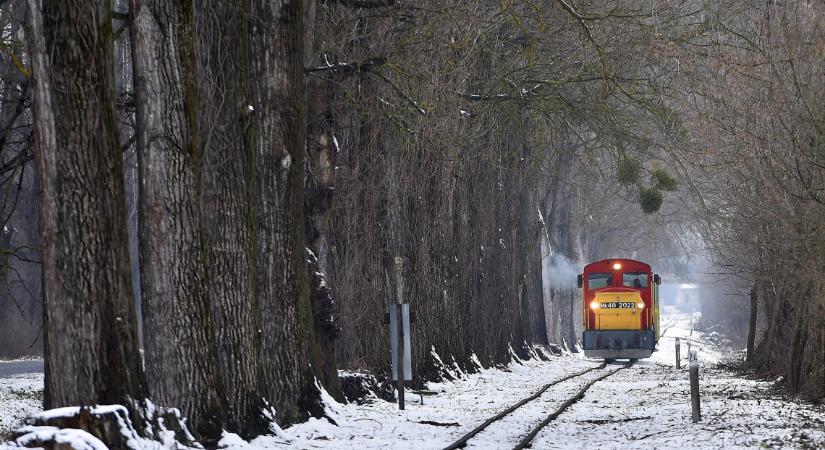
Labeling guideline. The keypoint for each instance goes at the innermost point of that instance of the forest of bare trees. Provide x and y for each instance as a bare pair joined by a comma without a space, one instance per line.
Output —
209,205
755,119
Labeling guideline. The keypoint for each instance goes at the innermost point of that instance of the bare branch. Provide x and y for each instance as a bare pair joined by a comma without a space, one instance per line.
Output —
364,4
349,68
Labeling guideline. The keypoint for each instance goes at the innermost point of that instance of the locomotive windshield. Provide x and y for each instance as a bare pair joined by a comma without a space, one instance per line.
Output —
599,280
634,279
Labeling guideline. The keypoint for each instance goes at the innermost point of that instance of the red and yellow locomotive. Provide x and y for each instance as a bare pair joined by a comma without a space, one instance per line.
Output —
620,309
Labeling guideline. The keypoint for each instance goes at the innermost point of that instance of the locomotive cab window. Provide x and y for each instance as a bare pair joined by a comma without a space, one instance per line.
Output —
634,279
599,280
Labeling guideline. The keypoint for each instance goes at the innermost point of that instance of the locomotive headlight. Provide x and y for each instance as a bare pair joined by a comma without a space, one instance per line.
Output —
617,266
641,305
594,305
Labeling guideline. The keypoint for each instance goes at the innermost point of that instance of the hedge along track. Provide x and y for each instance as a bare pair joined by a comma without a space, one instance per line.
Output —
525,442
462,441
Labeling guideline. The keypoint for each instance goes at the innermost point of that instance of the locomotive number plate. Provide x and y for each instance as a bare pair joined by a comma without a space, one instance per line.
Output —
621,305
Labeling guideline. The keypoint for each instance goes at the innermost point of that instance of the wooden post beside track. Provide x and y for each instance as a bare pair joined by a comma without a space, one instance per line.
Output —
696,413
678,356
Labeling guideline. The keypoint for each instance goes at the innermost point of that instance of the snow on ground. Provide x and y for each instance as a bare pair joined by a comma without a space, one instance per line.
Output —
648,406
458,407
20,397
644,406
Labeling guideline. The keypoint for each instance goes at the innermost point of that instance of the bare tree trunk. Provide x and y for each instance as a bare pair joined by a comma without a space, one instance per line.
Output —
255,138
124,87
561,242
226,132
175,294
774,333
318,197
822,357
799,339
91,338
754,298
282,283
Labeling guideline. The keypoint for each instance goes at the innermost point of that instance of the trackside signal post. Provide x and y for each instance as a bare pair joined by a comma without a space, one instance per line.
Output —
399,315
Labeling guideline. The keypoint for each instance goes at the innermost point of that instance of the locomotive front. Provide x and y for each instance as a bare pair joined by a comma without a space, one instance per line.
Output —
620,309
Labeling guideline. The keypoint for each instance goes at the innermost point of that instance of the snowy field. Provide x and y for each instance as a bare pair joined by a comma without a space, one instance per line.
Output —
644,406
20,397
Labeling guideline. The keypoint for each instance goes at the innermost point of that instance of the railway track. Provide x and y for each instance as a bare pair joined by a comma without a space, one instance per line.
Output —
527,439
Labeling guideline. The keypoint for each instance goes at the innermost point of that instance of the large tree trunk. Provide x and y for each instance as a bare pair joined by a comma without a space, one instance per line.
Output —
175,294
277,135
254,138
226,134
91,339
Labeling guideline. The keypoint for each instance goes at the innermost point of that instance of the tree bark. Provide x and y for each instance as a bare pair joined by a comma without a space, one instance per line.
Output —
799,339
226,136
754,298
319,193
322,155
558,212
774,333
278,142
91,349
255,138
174,280
822,357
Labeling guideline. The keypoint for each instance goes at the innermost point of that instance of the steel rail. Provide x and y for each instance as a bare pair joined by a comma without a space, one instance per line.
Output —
525,442
462,441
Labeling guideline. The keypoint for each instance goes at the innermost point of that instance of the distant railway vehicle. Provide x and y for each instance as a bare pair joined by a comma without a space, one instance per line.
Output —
620,301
